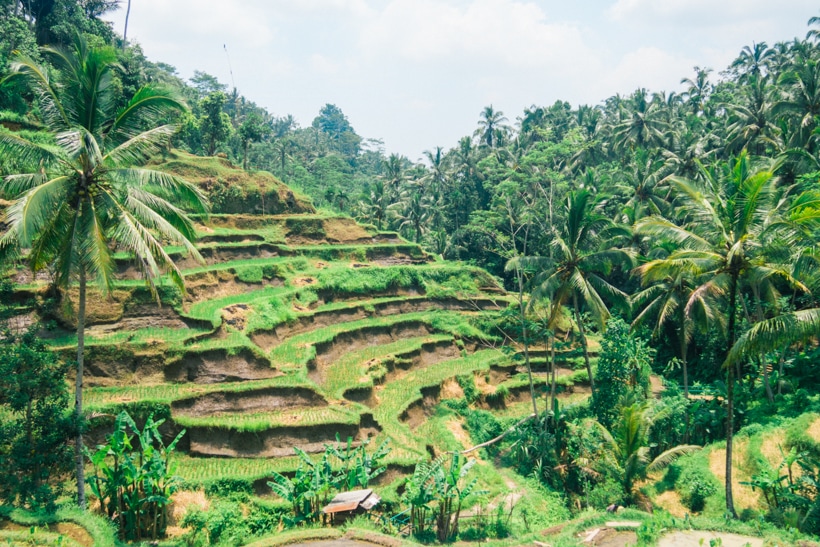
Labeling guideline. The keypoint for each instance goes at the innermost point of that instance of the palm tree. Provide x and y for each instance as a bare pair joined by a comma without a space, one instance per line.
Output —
668,297
85,199
490,124
802,103
629,444
577,276
753,123
643,127
726,215
752,61
412,210
774,333
698,90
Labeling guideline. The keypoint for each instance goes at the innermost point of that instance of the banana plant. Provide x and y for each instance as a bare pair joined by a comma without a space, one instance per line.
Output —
134,481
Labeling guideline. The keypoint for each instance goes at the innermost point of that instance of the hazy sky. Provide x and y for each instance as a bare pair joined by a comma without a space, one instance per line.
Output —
416,73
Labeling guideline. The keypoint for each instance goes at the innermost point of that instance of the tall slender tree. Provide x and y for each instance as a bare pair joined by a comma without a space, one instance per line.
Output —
726,216
84,199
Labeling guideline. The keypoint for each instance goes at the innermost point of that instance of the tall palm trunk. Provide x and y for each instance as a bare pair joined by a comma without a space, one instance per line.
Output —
582,334
125,30
683,351
78,393
520,277
552,371
730,399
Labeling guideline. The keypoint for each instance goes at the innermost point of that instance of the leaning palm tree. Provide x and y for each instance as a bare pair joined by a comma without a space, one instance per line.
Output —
84,199
580,264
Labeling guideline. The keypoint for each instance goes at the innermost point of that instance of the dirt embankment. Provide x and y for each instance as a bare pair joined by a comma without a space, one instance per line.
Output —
278,442
126,269
270,399
347,342
418,412
215,366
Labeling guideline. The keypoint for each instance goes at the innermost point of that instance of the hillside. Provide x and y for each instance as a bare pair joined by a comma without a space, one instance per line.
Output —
297,328
231,189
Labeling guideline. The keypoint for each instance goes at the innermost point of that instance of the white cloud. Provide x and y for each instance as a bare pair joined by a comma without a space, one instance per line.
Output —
509,31
704,12
417,72
648,67
235,21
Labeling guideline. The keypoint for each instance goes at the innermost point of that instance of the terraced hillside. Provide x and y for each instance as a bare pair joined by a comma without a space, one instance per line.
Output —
296,329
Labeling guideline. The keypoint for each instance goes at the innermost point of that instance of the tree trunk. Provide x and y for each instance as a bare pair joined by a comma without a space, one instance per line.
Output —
125,30
552,372
520,275
583,335
78,393
766,382
683,352
730,400
781,363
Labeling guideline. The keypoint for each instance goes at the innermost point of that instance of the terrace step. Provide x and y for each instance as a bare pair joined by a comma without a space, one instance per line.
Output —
219,365
267,339
267,399
276,441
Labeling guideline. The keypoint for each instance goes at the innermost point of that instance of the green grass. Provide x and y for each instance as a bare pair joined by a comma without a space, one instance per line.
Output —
257,422
210,310
202,470
399,394
349,371
297,351
101,530
98,398
140,338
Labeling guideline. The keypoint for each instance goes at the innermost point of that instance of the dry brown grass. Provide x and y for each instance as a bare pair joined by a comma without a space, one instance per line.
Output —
771,447
744,496
182,501
450,389
814,430
670,501
344,230
457,429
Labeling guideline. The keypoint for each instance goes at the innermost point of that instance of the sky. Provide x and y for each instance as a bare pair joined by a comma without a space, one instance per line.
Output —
417,73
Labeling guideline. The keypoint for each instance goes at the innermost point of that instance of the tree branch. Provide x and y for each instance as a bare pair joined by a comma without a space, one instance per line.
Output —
493,441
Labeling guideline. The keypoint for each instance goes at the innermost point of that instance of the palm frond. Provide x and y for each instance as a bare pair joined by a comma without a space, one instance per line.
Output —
671,455
141,147
774,333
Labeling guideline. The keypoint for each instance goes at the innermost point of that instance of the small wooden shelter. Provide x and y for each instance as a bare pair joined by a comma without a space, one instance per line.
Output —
348,504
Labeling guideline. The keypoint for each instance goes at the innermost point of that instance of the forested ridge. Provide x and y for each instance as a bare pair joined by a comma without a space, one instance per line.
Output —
666,244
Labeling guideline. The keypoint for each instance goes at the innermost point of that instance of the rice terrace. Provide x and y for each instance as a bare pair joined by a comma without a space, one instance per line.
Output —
596,325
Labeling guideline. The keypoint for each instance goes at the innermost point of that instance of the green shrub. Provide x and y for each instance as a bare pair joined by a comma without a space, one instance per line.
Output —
623,369
229,488
483,426
467,383
603,494
695,482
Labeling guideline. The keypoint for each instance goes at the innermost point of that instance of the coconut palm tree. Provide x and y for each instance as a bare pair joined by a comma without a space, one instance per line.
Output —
579,267
726,216
629,444
84,199
774,333
643,125
752,61
667,297
491,125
